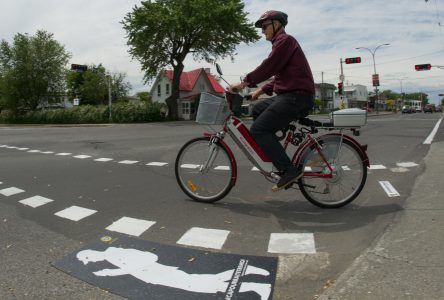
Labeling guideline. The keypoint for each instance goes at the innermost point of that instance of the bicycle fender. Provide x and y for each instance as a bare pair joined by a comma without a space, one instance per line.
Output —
362,148
230,154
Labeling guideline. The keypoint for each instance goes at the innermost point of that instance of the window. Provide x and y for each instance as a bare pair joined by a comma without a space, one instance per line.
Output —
185,108
158,91
167,89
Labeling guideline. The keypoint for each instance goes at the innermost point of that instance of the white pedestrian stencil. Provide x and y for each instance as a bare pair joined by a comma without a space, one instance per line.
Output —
292,243
144,266
130,226
75,213
35,201
202,237
11,191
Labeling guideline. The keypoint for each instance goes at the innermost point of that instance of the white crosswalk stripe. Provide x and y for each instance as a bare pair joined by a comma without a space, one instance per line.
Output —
204,237
11,191
35,201
75,213
130,226
292,243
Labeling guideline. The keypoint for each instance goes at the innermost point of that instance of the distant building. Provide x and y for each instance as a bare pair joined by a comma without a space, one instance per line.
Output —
325,92
355,96
192,83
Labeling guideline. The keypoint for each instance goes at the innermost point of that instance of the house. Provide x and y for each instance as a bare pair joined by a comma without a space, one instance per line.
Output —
192,83
355,96
325,92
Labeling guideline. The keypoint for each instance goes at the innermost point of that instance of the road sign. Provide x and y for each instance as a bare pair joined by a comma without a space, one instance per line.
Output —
341,77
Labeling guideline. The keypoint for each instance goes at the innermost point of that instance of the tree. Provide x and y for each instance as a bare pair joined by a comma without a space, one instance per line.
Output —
144,97
91,86
32,71
162,33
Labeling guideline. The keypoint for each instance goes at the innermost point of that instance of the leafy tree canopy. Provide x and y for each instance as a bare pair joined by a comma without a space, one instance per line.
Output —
162,33
91,86
32,71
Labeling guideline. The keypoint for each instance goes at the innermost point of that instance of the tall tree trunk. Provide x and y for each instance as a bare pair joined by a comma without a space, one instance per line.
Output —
173,109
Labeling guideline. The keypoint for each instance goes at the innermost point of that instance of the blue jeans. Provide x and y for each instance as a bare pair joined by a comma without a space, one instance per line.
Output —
272,114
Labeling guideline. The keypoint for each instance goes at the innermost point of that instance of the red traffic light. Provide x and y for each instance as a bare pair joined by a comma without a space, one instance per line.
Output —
340,84
353,60
423,67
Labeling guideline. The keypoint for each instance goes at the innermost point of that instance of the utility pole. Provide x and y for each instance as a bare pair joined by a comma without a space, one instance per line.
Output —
109,98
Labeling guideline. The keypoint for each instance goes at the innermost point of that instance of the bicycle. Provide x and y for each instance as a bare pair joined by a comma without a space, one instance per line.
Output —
335,164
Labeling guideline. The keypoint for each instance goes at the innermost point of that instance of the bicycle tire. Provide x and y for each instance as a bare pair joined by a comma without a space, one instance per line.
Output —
349,172
201,185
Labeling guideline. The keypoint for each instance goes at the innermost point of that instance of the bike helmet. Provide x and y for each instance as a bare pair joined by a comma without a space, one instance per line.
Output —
272,15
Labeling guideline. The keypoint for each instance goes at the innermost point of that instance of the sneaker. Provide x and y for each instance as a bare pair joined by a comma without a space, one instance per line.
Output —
292,175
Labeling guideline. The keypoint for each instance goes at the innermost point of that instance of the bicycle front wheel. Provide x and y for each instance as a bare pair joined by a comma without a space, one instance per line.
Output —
348,168
204,170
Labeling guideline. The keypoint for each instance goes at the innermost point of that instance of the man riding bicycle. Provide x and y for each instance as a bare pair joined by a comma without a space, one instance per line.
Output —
294,88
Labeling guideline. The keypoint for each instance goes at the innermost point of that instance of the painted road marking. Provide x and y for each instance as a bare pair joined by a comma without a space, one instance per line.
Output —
431,136
130,226
377,167
63,154
35,201
389,189
157,164
34,151
292,243
223,168
11,191
128,162
82,156
103,159
203,237
48,152
75,213
407,164
189,166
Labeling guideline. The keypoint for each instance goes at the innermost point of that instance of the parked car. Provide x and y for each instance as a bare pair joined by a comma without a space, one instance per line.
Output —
407,110
429,108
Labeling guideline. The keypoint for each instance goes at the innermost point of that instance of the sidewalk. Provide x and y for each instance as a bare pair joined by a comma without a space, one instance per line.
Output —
407,262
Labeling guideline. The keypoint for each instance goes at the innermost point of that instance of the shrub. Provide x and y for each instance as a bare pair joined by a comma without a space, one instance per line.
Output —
88,114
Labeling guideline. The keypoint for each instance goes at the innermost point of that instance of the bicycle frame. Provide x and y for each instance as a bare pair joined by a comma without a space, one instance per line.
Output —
244,140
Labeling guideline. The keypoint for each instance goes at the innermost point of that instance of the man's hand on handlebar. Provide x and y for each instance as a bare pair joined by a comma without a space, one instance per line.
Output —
255,95
236,88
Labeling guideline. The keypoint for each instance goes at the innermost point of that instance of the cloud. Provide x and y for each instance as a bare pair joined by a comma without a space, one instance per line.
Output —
326,30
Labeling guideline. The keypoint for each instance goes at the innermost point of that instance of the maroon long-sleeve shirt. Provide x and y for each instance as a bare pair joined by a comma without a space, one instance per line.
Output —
288,65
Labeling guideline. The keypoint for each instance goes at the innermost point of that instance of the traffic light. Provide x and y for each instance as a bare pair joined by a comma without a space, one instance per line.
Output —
353,60
424,67
340,84
80,68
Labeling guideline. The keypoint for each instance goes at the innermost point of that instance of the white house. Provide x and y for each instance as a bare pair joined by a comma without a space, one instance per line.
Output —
354,96
192,83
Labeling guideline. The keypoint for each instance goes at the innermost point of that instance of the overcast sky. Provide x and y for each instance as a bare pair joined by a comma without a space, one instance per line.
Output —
327,31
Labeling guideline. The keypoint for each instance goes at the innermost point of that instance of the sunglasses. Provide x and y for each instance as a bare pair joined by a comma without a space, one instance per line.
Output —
264,26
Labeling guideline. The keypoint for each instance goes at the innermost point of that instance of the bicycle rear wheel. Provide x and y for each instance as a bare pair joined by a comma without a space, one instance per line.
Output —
349,173
204,170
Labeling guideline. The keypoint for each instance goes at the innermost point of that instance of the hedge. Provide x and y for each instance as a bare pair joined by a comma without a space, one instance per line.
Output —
88,114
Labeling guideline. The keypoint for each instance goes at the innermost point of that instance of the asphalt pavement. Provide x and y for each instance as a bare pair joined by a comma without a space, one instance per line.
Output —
407,261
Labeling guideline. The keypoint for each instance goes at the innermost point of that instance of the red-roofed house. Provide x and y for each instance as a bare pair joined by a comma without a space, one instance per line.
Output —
192,83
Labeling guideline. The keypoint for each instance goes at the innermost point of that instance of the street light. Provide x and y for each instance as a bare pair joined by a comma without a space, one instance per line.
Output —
374,69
